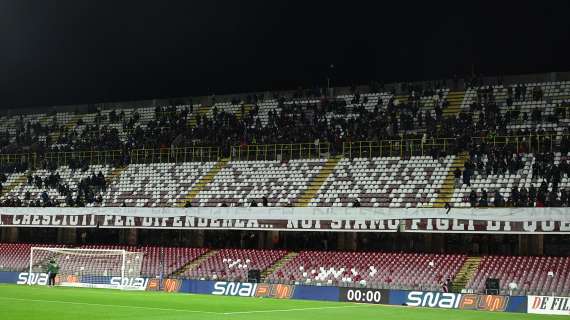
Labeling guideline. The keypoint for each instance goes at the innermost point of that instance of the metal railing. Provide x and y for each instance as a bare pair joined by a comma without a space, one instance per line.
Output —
396,148
531,143
64,158
11,159
280,151
167,155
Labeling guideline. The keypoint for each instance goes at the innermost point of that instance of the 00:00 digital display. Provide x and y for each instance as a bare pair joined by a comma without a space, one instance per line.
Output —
363,295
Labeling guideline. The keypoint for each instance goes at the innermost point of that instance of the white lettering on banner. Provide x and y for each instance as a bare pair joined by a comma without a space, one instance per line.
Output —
118,221
548,305
378,224
360,225
32,278
470,226
547,225
519,220
130,221
415,223
130,283
307,224
336,224
442,224
147,222
223,288
189,222
73,220
457,226
493,225
215,223
433,299
429,224
393,224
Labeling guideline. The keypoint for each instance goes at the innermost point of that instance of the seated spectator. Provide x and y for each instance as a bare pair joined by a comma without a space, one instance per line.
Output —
473,198
483,202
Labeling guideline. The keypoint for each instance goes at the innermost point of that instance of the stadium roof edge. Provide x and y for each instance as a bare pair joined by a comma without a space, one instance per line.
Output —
206,100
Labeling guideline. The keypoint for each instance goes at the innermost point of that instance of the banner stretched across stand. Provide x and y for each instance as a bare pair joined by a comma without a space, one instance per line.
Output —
423,220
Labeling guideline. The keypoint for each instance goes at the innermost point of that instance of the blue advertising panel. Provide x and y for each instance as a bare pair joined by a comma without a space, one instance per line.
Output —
464,301
8,277
243,289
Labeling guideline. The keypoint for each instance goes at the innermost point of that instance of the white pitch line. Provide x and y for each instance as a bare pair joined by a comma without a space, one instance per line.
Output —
110,305
288,310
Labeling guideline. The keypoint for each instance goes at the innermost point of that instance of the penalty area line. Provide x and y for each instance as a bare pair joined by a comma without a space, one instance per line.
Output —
109,305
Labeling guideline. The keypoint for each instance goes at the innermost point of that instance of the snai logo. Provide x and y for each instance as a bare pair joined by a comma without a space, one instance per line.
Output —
33,278
457,301
134,283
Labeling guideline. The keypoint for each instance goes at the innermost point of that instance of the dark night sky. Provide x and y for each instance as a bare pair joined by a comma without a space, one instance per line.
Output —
64,52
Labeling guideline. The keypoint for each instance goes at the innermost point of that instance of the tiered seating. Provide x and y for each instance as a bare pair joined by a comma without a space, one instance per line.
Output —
241,181
554,93
529,273
376,269
384,182
172,258
151,185
16,256
67,176
504,183
233,264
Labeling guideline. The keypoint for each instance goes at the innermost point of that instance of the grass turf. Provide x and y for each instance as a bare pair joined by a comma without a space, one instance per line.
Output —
24,302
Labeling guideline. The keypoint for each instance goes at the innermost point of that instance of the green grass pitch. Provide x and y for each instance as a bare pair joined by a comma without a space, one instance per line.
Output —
23,302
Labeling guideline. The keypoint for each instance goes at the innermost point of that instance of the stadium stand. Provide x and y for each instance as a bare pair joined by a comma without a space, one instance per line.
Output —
158,260
530,273
233,264
384,182
499,145
376,269
16,256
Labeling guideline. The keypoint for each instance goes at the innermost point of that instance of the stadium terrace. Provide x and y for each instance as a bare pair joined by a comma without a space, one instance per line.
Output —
448,194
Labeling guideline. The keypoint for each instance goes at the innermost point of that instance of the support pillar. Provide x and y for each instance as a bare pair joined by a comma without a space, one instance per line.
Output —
132,237
198,238
428,245
9,234
341,241
522,249
350,241
67,235
539,244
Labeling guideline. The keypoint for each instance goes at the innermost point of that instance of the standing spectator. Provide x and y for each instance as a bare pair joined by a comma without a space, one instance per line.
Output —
264,201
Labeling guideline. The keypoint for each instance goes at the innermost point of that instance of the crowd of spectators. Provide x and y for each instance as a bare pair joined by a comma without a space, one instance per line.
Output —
330,120
485,160
87,191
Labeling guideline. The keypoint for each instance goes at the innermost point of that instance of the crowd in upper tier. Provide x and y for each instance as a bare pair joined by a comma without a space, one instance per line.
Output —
294,119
